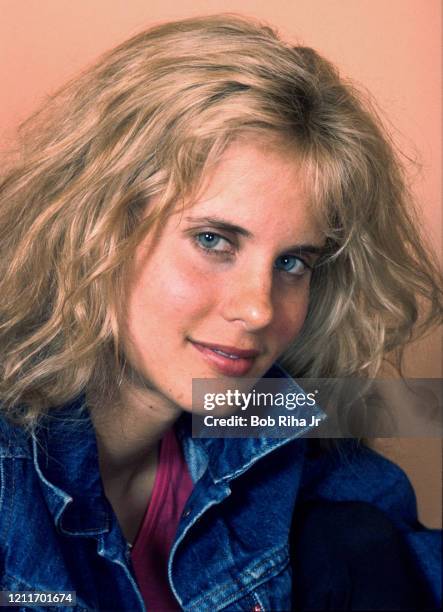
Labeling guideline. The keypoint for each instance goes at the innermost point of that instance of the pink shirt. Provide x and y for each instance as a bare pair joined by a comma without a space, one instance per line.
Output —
150,553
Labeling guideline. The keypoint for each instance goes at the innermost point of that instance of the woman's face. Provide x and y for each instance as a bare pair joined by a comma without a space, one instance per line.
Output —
223,289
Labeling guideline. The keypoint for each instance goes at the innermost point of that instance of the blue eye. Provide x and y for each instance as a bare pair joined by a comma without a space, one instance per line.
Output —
291,264
210,241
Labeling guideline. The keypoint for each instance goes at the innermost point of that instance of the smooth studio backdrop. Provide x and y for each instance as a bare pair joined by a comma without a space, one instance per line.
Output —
391,48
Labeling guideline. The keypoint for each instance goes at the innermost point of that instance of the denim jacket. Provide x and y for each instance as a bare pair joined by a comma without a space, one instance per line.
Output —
58,531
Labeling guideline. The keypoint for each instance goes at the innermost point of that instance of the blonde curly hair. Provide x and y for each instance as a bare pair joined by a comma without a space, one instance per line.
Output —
151,117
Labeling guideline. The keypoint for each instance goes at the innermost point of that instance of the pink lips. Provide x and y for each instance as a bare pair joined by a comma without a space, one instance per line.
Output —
228,360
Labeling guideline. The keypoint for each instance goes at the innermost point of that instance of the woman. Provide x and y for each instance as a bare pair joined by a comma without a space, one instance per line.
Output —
204,201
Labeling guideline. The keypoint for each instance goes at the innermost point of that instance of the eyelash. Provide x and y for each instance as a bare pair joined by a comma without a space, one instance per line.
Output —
213,251
225,254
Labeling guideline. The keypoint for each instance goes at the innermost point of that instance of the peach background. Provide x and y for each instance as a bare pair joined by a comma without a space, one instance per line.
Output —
392,48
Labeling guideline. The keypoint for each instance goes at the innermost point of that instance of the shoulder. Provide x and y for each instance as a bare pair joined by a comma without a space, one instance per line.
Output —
354,472
15,463
14,439
18,487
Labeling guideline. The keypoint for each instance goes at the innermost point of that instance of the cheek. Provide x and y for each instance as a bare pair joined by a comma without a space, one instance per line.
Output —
169,295
290,317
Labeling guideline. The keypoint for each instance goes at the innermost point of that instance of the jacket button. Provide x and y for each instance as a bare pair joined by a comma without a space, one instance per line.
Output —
187,512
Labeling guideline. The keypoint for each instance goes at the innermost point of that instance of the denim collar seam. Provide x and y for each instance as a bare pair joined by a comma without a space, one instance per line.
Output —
58,508
63,498
86,532
252,460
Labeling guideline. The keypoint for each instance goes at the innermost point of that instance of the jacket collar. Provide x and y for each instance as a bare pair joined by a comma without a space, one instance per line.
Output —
228,458
66,460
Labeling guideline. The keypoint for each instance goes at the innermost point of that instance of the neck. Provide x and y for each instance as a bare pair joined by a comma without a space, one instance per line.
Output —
128,432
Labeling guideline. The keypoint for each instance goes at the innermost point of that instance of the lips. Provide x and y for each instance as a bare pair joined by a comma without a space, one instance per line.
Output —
228,360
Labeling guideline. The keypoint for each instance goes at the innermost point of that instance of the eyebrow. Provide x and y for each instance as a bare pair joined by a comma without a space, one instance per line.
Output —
241,231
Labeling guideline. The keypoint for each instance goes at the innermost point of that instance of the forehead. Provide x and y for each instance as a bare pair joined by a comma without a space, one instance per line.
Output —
259,185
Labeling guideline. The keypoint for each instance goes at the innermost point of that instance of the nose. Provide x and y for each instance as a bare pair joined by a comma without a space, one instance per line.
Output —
248,300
